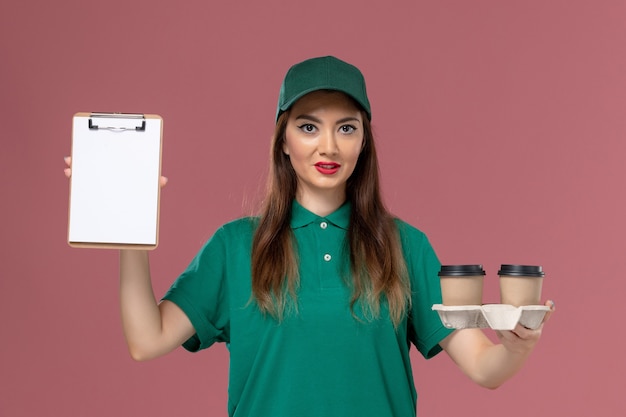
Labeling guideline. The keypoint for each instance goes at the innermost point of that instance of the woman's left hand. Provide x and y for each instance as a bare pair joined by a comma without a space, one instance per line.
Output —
521,339
491,365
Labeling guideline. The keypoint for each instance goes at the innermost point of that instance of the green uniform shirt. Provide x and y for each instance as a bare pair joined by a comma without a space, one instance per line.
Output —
320,361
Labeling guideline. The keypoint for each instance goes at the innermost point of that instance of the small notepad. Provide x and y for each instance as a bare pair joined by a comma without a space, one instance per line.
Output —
114,194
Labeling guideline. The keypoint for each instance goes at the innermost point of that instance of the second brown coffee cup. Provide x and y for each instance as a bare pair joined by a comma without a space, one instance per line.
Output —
461,284
520,285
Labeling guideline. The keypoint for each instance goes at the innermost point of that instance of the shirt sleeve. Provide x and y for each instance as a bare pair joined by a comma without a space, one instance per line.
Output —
425,327
201,291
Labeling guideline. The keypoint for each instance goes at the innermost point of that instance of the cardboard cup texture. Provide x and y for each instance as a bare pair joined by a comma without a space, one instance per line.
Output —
520,285
461,284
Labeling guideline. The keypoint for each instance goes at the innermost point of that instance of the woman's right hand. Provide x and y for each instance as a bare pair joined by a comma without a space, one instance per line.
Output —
151,329
68,171
68,164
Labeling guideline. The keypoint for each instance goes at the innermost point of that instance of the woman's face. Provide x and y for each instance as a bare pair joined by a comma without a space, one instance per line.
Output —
323,138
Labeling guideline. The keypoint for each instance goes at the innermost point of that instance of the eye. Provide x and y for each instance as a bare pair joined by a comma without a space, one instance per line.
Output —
307,128
347,129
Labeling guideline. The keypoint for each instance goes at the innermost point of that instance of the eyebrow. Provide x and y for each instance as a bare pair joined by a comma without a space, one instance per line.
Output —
316,120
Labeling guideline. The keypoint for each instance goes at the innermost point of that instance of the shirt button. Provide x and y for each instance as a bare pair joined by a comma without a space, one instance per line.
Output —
327,257
323,225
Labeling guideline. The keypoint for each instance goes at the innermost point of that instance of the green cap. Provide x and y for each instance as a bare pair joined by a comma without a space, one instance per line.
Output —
324,73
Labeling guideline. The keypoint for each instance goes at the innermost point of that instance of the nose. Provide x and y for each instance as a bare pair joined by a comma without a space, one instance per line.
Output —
327,144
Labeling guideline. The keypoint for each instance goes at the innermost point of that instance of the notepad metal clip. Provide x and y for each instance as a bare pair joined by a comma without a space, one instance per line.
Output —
117,122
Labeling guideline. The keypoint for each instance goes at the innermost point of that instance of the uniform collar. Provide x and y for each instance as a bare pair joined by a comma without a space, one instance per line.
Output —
301,217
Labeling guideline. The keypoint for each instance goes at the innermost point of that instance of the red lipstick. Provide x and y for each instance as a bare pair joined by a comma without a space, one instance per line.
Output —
327,168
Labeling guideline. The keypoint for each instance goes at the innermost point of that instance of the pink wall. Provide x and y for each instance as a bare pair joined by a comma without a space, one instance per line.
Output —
501,132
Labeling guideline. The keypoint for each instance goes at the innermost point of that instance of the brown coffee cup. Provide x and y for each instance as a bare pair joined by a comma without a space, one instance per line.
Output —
461,284
520,285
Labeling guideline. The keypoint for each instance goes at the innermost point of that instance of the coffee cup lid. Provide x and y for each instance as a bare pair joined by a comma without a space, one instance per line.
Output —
521,270
461,270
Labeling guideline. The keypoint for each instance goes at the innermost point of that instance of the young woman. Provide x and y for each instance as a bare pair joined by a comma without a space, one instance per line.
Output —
321,295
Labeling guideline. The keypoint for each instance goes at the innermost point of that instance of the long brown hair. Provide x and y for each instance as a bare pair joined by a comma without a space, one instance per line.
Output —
376,261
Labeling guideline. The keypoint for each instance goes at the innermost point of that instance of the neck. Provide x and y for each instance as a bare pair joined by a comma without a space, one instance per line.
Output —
321,203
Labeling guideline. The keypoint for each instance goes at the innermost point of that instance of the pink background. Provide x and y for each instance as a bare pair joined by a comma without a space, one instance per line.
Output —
501,130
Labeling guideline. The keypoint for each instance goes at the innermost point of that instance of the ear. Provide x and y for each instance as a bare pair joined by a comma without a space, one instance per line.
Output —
285,148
